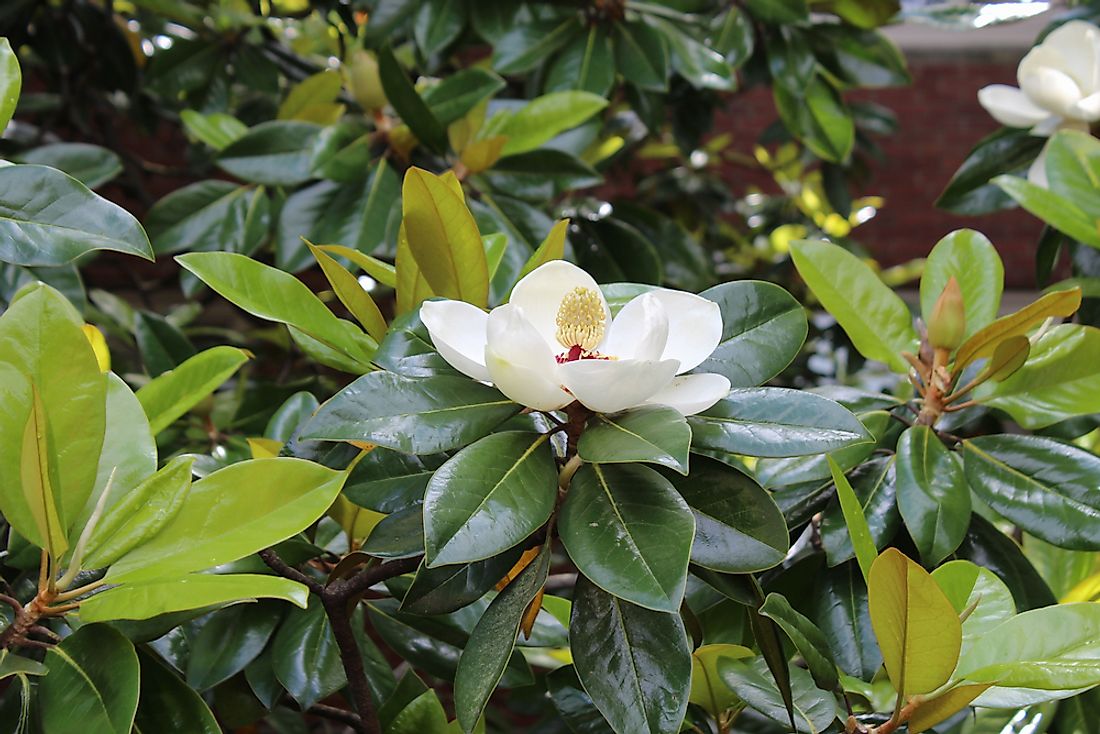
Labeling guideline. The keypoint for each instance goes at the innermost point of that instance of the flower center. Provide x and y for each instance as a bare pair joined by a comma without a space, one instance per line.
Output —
580,321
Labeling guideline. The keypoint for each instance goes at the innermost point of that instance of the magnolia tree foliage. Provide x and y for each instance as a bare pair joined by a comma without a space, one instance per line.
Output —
492,465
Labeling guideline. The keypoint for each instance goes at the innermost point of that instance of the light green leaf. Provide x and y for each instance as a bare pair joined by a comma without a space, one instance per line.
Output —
944,706
153,598
216,129
316,93
231,513
1059,212
876,320
970,258
92,685
169,396
858,530
12,664
655,434
1073,169
979,592
542,119
11,81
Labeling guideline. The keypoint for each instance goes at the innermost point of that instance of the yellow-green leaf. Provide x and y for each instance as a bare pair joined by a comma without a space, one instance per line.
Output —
854,518
351,294
39,477
984,342
930,713
381,271
552,248
412,287
443,238
312,99
11,80
917,628
707,687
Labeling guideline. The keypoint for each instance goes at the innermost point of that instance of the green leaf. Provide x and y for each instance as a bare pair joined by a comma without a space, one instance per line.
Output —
1058,381
917,628
1073,169
763,329
738,528
858,530
707,688
978,592
415,416
162,345
814,709
1038,655
91,165
172,394
229,640
208,215
573,703
52,383
701,65
656,434
807,638
447,589
489,497
818,116
92,685
36,229
641,55
866,59
351,294
443,238
11,81
944,706
773,421
169,704
385,480
874,483
258,503
1046,487
876,320
305,656
543,118
970,258
409,105
586,63
313,99
486,654
933,494
984,342
971,190
865,13
988,547
460,92
12,664
195,591
630,532
525,45
273,295
215,129
424,715
380,270
634,662
839,608
1059,212
779,12
398,535
274,153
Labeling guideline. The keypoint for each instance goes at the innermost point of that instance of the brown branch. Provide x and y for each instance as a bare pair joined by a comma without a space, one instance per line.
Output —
347,588
334,713
281,567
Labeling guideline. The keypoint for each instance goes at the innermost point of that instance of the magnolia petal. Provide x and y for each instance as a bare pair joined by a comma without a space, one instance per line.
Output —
1077,43
539,294
694,327
1087,110
1010,106
1046,84
520,362
691,394
1037,172
458,331
611,385
640,331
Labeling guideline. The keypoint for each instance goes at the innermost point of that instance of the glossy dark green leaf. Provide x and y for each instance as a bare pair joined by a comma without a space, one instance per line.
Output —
933,494
807,638
629,531
342,152
641,55
738,527
862,58
586,63
525,45
407,349
460,92
656,435
1046,487
423,715
971,191
398,535
91,165
417,416
839,608
209,215
163,346
305,656
229,641
772,421
618,252
12,664
697,62
49,218
274,153
438,24
386,480
446,589
635,663
489,497
819,118
486,654
294,412
92,685
875,485
573,703
779,11
814,709
815,467
736,37
408,103
540,174
763,329
168,703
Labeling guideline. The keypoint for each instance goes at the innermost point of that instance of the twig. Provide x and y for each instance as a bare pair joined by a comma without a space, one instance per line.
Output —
334,713
279,566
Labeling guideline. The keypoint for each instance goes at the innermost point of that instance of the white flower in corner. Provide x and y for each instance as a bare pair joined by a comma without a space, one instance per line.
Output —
555,342
1059,88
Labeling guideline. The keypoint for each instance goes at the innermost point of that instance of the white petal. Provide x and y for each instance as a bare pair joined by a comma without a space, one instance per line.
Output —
640,331
520,363
1037,172
1078,45
611,385
691,394
1087,110
539,294
458,331
1010,106
694,327
1045,83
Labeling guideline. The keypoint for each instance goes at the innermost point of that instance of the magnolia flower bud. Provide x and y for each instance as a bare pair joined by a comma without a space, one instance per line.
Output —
947,325
363,81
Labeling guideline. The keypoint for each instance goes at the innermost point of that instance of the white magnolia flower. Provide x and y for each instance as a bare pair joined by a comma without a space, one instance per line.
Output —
555,342
1059,88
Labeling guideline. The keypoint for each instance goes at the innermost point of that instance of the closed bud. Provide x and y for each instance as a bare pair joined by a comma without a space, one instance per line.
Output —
364,83
947,325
